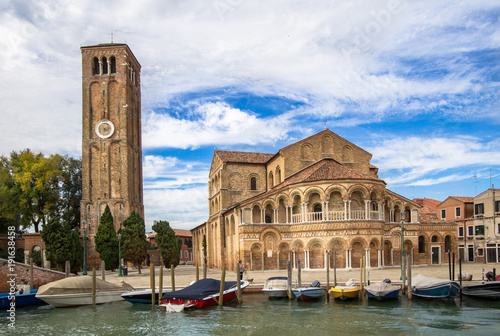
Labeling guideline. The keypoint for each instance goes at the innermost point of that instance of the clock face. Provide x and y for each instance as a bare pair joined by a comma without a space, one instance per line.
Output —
104,129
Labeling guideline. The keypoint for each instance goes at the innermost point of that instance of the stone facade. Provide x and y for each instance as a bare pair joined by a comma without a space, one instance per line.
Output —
111,137
41,276
315,197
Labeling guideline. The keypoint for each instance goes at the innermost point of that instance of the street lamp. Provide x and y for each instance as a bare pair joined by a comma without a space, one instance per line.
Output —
119,254
402,240
84,227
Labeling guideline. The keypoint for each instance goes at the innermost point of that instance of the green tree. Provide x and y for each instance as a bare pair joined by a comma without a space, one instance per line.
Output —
134,241
106,241
61,243
167,242
9,198
70,190
37,184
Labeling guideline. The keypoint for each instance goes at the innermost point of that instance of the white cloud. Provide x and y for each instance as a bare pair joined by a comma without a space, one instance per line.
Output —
212,123
409,160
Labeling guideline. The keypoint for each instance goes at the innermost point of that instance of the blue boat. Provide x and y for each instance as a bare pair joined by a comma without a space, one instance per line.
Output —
141,296
432,288
20,299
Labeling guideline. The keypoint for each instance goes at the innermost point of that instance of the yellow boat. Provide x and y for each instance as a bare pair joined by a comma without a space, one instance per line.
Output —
347,292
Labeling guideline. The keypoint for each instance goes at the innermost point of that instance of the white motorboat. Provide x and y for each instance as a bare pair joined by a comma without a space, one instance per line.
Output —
276,287
77,291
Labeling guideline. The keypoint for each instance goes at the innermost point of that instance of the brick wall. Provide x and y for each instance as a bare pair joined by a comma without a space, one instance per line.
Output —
41,276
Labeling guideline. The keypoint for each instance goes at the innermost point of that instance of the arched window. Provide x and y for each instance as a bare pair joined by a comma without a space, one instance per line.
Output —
113,64
447,244
278,175
104,65
253,183
268,219
95,67
434,239
317,207
271,180
421,244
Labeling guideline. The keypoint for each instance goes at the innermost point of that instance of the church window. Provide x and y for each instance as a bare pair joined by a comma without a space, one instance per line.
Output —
113,64
278,175
271,180
434,239
447,244
95,68
268,219
104,65
421,244
253,183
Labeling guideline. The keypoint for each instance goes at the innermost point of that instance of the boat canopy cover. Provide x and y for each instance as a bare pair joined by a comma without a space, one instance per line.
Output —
420,281
198,290
278,278
81,284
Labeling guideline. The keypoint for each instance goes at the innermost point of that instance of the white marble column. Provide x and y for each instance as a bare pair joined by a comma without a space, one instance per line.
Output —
367,258
304,212
327,215
367,209
349,209
277,260
251,261
294,260
392,256
276,216
262,215
347,259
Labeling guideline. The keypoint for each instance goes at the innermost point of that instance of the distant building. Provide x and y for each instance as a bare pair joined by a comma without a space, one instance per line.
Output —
186,253
319,196
486,233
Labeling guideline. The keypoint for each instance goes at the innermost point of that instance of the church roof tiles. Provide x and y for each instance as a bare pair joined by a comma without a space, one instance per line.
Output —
243,157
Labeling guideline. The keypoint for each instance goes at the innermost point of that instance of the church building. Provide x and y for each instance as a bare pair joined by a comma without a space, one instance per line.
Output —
318,196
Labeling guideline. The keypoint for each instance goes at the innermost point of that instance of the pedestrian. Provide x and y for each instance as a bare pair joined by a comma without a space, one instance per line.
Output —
242,269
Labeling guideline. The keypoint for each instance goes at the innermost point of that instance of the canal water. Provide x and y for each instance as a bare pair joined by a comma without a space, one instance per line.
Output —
259,316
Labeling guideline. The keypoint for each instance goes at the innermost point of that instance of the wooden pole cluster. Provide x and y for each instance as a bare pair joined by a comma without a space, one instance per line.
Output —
299,275
222,282
460,278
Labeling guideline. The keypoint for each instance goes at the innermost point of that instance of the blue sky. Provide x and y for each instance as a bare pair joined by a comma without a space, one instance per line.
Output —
415,83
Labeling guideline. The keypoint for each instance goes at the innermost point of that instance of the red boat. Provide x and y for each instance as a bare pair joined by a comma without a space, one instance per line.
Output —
201,294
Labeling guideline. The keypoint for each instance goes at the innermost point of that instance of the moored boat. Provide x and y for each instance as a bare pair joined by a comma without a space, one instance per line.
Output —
313,292
20,299
201,294
276,287
484,290
382,291
347,292
77,291
141,296
433,288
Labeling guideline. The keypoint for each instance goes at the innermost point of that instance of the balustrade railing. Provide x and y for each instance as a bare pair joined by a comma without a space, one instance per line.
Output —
358,214
374,215
336,215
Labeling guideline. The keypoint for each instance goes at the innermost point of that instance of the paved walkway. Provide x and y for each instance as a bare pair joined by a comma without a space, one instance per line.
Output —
184,274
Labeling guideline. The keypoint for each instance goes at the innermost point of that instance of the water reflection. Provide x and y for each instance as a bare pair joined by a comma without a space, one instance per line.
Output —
259,316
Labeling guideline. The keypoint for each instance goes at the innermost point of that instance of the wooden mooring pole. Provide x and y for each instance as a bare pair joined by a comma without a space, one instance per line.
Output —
152,283
67,268
197,273
160,284
172,277
289,280
299,275
238,281
93,285
103,268
335,269
222,282
460,278
327,276
32,286
408,264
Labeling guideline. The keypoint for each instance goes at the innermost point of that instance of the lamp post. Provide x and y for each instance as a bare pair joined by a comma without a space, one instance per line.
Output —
402,240
84,227
119,254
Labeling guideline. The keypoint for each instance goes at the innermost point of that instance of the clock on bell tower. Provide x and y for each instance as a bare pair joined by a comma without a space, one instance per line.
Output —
111,135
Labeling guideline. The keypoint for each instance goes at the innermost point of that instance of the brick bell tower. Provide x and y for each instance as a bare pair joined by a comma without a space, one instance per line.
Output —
111,137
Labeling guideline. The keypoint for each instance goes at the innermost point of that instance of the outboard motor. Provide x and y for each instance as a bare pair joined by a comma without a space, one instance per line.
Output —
490,276
316,283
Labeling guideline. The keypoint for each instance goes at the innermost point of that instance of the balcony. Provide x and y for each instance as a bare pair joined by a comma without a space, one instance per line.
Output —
334,216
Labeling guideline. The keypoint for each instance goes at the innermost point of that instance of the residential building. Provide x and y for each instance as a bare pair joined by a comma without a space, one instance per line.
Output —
487,225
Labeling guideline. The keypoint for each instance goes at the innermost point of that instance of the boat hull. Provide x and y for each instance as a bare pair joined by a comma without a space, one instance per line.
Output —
142,296
309,293
487,290
381,296
343,293
276,293
444,291
80,299
20,299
